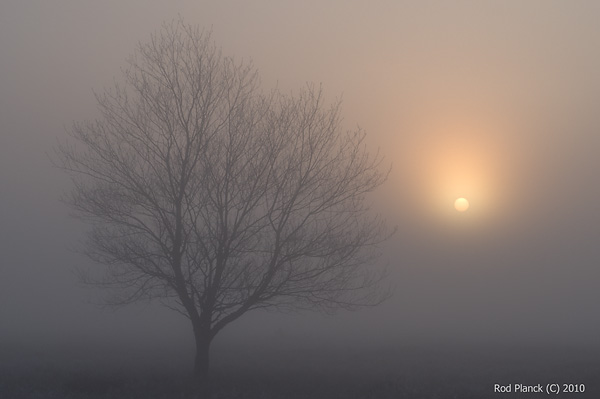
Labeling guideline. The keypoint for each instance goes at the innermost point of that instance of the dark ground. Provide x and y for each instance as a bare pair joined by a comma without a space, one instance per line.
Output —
303,372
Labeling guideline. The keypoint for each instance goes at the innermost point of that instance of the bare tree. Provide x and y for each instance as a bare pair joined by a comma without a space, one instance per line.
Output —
217,199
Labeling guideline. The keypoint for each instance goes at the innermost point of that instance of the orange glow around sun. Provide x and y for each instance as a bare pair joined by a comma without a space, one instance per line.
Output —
455,165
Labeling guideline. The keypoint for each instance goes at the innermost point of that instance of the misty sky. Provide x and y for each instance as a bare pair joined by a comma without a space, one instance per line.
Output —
494,101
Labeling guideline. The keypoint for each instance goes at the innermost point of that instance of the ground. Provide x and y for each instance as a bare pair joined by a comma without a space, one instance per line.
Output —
298,373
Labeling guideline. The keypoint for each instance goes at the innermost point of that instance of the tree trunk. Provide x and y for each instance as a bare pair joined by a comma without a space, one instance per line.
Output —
201,361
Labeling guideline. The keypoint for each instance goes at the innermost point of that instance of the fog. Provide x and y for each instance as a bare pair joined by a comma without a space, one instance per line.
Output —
494,101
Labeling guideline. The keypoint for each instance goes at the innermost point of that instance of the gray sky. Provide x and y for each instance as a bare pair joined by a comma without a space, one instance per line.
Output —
494,101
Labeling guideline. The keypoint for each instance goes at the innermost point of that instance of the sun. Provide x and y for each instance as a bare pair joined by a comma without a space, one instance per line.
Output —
461,204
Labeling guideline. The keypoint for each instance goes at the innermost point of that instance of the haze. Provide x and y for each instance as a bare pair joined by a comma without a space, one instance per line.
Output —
496,102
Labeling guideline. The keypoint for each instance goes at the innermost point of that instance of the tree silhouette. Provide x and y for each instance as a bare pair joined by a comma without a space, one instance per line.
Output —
218,199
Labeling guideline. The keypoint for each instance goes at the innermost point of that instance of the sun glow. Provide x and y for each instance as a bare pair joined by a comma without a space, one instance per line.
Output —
454,164
461,204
